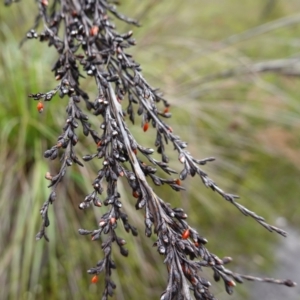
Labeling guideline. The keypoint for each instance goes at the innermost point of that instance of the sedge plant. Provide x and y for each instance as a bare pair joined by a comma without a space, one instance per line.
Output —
89,47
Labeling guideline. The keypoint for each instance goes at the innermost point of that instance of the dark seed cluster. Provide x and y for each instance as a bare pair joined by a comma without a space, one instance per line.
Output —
88,45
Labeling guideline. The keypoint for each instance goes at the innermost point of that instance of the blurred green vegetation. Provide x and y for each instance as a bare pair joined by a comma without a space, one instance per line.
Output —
250,123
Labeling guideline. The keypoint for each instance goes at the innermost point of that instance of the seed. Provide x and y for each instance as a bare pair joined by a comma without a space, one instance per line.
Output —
94,30
94,279
122,242
48,176
166,110
98,203
102,223
146,126
181,158
40,107
135,194
186,234
178,182
194,280
231,283
185,270
161,249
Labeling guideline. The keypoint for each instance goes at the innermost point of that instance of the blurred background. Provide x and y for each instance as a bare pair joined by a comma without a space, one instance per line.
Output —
230,70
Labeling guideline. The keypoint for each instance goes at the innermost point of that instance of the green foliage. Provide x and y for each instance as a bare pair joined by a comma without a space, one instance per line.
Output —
249,123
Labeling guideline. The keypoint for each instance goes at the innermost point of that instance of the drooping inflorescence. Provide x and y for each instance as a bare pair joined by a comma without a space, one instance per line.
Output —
88,45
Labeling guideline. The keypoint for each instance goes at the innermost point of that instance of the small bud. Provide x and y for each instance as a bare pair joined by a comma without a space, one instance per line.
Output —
48,176
87,157
102,223
290,283
226,260
83,205
124,251
162,250
98,203
69,162
181,158
121,242
52,197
